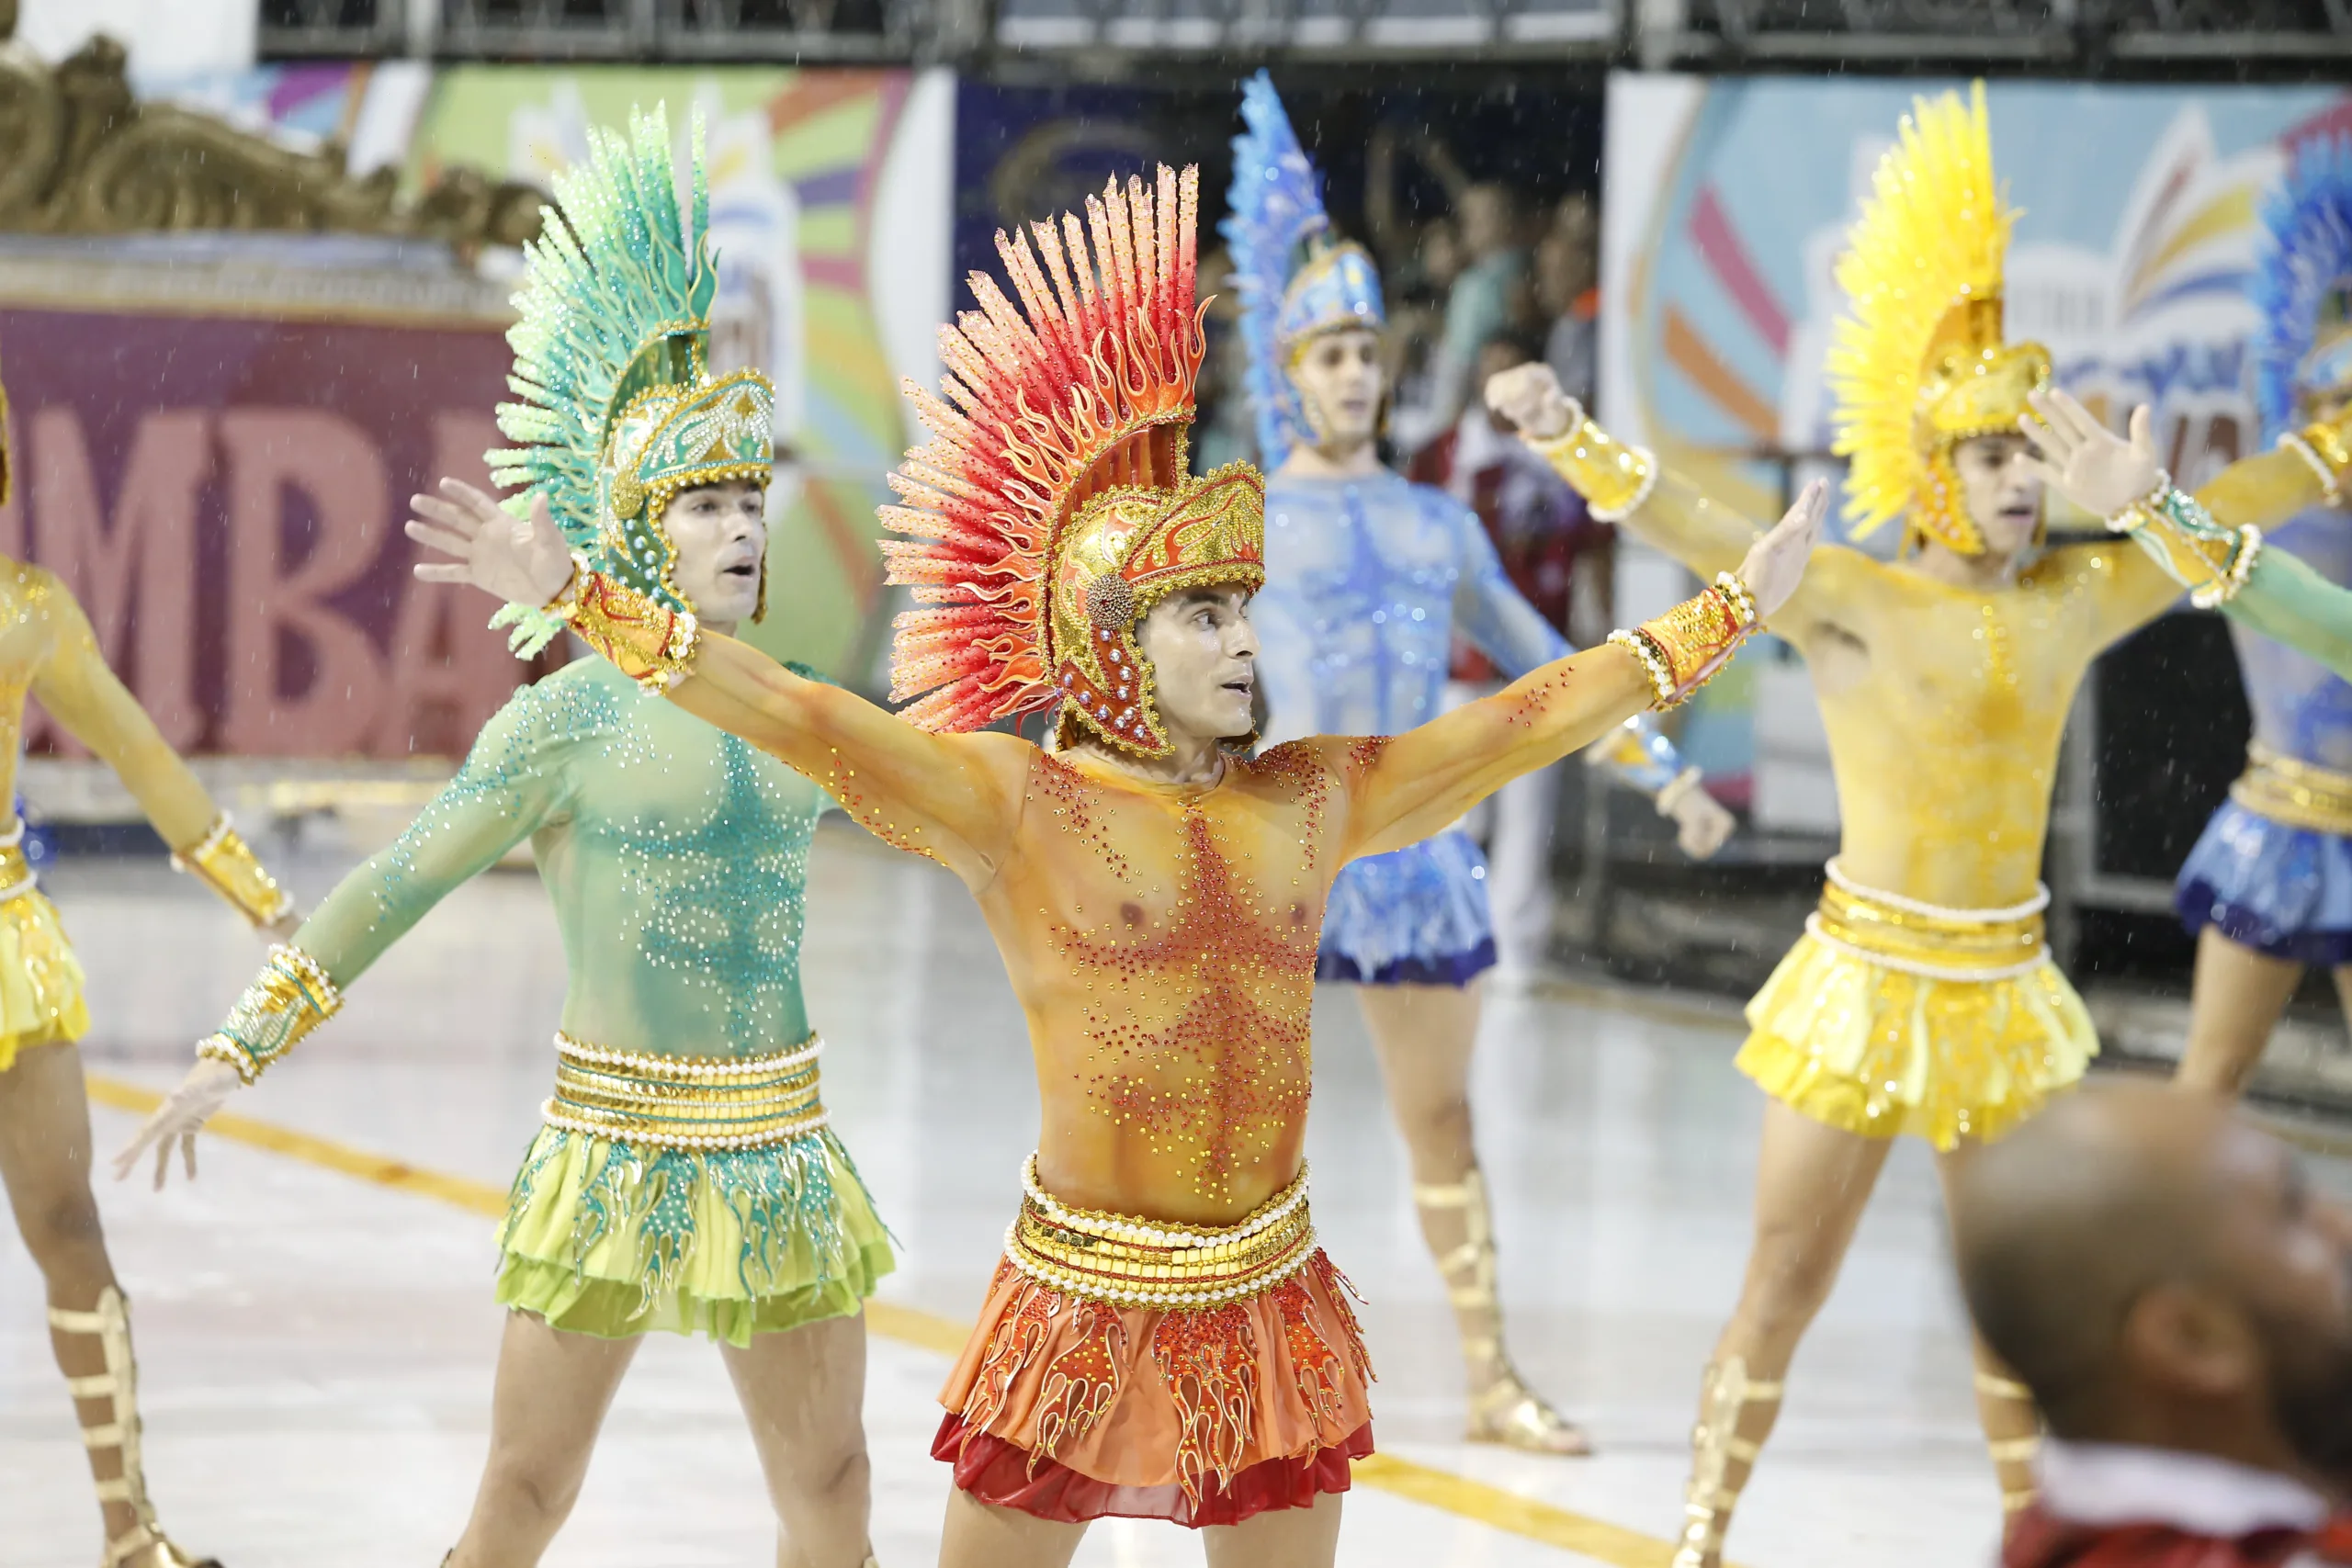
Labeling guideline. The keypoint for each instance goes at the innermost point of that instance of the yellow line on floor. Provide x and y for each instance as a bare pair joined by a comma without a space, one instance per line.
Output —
1440,1489
479,1197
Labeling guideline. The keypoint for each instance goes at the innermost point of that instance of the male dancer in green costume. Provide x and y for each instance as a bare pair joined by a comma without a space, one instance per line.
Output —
686,1178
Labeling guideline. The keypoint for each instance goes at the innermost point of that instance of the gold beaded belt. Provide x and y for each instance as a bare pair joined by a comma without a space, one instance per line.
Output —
2294,793
686,1103
1903,933
1135,1262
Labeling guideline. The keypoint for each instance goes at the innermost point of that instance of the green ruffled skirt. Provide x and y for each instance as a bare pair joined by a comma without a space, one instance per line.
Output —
607,1239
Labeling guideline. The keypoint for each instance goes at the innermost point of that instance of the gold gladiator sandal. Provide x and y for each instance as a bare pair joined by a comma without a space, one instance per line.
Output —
1716,1444
1504,1410
143,1545
2004,1405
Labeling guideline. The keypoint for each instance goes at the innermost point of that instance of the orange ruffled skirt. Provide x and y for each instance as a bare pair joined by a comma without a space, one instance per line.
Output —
1200,1417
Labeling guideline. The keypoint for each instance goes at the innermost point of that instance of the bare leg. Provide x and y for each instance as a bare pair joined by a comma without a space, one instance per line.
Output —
1423,1036
1288,1537
45,1162
1811,1183
2342,975
805,1394
980,1536
553,1390
2235,1001
2004,1406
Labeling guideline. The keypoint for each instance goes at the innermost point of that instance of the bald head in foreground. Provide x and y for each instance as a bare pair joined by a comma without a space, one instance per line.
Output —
2158,1271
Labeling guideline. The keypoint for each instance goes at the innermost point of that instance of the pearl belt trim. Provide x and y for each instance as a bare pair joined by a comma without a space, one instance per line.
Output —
658,1101
1118,1227
2033,906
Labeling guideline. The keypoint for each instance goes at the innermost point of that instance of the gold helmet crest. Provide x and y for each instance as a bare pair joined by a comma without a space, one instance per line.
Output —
1919,365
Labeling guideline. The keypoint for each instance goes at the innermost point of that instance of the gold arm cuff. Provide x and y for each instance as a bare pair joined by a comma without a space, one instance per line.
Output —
2328,443
1614,479
290,997
2212,562
651,645
2331,486
1682,649
222,862
1676,790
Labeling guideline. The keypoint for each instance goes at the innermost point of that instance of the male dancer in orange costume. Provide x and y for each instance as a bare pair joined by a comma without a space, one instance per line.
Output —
1163,1338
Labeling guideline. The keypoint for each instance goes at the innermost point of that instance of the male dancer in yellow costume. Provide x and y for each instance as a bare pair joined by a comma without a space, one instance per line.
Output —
48,650
1922,999
1163,1339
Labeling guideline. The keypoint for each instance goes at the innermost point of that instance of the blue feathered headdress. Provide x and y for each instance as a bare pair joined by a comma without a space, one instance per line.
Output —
2309,254
1276,202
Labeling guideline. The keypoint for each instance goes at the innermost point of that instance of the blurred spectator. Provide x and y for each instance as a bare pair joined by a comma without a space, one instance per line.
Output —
1568,295
1391,232
2159,1273
1477,307
1555,555
1559,560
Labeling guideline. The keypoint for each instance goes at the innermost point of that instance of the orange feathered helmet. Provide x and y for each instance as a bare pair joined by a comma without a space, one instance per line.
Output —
1054,508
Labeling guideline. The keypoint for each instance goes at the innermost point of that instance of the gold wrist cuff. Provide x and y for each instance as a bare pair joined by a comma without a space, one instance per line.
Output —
1676,791
222,862
1682,649
1614,480
290,997
2331,483
2327,443
2212,562
559,604
651,645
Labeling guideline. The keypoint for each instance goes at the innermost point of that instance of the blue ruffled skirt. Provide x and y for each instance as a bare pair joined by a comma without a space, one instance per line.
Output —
1413,916
2283,891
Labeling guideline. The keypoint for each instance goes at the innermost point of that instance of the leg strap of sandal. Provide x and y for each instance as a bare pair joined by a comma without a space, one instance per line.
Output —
1999,1387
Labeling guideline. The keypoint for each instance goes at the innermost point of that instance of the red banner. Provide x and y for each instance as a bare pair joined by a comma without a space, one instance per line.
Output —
225,496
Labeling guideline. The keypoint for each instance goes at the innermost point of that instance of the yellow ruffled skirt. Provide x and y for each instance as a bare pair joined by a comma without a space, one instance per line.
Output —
1882,1049
605,1238
41,980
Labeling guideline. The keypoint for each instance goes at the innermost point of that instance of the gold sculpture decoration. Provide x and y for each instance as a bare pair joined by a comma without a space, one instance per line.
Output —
80,154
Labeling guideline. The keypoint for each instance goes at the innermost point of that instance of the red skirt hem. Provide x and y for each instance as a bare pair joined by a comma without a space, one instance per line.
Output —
1001,1474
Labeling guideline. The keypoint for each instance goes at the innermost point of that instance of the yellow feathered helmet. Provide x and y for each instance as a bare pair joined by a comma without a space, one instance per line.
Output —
1920,366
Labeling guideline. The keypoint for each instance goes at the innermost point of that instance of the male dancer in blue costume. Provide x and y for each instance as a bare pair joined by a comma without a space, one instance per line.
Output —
2269,888
1367,579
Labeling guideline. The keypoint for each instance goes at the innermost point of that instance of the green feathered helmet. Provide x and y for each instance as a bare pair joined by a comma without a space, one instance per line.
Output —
618,410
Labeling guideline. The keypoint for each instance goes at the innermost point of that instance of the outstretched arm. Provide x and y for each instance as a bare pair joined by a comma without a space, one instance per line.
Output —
1621,484
1405,788
956,798
2209,543
85,696
513,782
2286,601
1627,485
1501,623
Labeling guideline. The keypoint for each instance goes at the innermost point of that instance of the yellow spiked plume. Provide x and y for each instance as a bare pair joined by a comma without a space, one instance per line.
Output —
1919,363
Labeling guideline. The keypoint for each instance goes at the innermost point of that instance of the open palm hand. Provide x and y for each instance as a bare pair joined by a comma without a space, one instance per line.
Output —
523,560
2083,460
